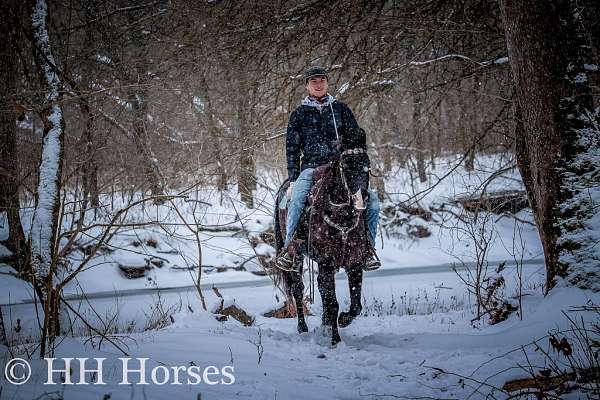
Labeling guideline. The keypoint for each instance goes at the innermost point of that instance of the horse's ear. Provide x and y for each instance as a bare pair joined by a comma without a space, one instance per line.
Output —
361,138
356,138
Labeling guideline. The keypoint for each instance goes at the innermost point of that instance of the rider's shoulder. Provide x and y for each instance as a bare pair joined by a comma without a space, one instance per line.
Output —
296,113
341,104
300,109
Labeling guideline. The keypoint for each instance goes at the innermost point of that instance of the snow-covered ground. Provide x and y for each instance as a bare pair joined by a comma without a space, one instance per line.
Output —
416,337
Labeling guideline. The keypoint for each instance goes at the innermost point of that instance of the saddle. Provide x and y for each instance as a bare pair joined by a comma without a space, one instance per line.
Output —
320,173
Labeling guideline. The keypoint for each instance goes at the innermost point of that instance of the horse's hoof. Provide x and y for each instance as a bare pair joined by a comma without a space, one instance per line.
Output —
335,339
302,327
345,318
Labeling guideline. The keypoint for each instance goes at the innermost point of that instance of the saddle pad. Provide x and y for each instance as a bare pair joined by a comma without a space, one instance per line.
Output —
283,202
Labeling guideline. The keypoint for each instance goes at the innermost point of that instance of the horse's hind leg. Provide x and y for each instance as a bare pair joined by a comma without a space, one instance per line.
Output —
297,289
355,277
326,282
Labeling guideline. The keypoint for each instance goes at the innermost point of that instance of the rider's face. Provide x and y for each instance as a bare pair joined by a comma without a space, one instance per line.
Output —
317,86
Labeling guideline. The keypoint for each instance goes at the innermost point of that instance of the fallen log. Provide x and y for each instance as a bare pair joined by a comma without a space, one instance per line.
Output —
418,231
288,310
231,310
539,382
415,211
134,271
506,201
545,382
221,228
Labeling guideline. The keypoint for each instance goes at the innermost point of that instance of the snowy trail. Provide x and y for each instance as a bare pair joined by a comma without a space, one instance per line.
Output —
136,307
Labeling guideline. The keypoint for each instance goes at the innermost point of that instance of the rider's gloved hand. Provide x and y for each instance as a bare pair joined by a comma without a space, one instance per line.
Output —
288,193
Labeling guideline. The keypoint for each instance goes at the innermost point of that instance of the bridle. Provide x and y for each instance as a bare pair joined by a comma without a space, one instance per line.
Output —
340,166
344,230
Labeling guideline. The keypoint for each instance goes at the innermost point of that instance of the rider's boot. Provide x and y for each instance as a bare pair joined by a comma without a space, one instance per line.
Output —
372,261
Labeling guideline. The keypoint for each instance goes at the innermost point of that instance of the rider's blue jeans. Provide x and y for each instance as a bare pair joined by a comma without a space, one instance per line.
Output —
300,193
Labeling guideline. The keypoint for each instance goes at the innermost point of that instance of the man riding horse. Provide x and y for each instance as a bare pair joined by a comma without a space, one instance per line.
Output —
316,131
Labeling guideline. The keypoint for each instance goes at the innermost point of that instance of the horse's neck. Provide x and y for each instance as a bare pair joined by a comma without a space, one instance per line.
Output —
327,186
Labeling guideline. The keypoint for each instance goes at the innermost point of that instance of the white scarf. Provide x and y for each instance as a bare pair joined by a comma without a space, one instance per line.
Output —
312,102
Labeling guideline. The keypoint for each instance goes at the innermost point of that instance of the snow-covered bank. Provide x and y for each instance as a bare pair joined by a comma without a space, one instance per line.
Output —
167,253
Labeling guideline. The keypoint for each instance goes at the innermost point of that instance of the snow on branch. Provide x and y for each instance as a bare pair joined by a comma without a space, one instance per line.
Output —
413,63
459,56
40,14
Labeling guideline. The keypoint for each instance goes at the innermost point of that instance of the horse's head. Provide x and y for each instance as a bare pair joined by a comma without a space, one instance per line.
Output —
354,165
349,175
351,166
355,161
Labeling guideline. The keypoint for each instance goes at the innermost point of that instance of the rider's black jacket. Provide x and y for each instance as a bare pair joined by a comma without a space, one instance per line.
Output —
311,139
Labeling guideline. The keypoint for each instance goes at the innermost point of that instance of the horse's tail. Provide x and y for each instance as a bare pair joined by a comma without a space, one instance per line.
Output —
279,239
281,279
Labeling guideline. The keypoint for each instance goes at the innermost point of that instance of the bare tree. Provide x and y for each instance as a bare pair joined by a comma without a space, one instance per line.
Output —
10,13
244,95
214,133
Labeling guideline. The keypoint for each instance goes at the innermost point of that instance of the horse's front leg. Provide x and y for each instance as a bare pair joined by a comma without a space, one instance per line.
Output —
297,289
355,278
326,282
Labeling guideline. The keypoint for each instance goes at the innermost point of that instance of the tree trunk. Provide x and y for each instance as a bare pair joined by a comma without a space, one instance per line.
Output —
558,146
45,217
385,144
89,171
246,178
3,338
246,175
150,166
465,125
90,166
214,135
418,132
9,174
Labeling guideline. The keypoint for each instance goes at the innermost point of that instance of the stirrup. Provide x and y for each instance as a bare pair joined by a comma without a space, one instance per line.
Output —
286,263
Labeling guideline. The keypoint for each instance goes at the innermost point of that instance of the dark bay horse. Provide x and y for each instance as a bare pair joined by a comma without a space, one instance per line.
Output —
331,232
